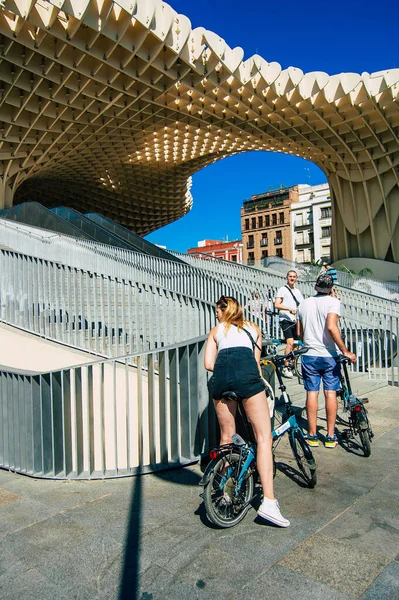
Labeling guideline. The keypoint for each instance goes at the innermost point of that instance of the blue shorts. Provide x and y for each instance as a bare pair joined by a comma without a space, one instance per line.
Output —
315,368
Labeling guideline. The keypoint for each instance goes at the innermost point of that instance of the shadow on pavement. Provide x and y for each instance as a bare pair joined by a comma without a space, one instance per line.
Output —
130,577
129,584
292,474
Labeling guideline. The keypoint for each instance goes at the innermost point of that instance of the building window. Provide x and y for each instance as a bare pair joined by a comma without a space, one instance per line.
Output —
265,253
274,219
299,238
251,259
253,223
326,212
326,231
299,220
246,227
279,252
260,222
267,218
234,258
279,238
250,243
264,241
281,218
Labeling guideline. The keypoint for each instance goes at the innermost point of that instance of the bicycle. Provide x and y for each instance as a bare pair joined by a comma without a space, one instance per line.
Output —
229,479
271,344
351,411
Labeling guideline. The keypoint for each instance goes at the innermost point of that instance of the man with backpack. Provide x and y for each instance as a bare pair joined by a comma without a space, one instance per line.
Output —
288,299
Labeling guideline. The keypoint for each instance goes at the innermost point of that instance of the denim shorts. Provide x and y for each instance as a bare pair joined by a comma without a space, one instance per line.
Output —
315,368
236,371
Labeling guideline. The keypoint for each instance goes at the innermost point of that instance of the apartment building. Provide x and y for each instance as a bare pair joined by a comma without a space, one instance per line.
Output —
219,249
311,224
266,225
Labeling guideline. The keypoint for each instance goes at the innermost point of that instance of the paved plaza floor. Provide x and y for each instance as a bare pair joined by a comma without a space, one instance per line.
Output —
148,538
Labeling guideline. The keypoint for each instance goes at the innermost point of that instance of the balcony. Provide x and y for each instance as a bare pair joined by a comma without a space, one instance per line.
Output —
264,243
302,226
299,245
250,262
250,245
278,241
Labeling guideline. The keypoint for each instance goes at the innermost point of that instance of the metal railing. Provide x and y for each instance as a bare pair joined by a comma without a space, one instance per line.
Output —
133,302
149,409
91,311
118,417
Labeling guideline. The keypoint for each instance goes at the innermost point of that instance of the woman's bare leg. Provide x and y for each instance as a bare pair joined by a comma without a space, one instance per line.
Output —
258,413
226,412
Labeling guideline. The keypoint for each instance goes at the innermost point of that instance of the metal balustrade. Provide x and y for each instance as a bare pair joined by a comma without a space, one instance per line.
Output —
132,302
117,417
91,311
148,410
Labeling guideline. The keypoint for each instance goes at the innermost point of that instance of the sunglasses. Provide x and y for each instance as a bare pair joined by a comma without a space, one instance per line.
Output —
224,300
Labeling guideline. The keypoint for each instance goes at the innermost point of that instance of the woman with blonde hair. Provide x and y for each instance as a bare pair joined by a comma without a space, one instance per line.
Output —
233,352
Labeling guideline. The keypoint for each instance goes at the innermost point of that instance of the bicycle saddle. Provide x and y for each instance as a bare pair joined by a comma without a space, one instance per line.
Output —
229,396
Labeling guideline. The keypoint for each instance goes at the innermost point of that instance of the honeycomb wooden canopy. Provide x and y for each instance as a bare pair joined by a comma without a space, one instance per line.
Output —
112,106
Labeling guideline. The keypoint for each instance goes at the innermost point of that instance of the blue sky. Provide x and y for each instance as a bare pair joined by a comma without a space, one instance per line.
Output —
314,36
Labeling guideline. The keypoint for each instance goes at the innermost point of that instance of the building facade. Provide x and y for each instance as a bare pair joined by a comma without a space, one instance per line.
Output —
226,250
266,225
311,224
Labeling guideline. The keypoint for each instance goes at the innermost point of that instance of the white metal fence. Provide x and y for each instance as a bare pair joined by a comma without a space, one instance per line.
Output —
107,419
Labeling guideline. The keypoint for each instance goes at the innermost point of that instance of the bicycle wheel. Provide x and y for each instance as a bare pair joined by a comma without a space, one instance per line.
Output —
363,431
225,507
304,458
298,368
365,441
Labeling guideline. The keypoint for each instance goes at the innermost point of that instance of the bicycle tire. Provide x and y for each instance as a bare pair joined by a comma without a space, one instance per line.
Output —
302,454
365,441
223,507
298,368
363,432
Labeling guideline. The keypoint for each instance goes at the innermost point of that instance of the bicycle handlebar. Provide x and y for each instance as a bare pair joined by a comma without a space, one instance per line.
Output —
343,359
283,357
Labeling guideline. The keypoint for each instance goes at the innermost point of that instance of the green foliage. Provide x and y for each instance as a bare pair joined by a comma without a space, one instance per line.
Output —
346,270
366,272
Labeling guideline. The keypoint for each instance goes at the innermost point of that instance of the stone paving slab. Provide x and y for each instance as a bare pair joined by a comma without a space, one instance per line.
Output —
147,538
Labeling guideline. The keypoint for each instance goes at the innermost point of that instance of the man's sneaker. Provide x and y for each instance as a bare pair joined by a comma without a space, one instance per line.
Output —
312,440
286,372
270,510
331,442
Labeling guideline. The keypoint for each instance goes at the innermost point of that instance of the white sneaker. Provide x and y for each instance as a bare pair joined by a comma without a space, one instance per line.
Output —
270,510
286,372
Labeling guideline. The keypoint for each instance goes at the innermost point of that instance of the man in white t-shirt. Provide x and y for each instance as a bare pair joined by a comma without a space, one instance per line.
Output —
288,299
318,318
